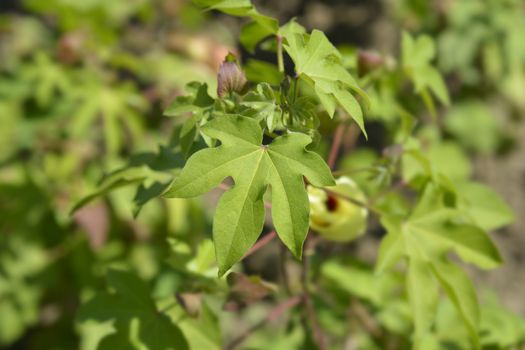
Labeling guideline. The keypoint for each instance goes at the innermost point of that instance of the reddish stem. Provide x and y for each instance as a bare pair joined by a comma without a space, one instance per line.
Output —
260,243
336,144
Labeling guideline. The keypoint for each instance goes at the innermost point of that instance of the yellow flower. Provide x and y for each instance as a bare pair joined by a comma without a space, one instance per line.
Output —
336,218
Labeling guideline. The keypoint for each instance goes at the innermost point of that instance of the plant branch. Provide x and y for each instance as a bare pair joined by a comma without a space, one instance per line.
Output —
260,243
336,144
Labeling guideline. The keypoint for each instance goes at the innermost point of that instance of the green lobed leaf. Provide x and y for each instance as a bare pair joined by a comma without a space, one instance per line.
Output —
417,55
433,229
319,62
239,216
439,228
425,237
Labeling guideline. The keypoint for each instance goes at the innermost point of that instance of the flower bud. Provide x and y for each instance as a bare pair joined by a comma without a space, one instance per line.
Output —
230,78
367,61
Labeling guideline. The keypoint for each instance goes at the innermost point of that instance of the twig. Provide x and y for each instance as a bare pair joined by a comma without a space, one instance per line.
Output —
368,322
280,62
260,243
351,137
273,315
336,144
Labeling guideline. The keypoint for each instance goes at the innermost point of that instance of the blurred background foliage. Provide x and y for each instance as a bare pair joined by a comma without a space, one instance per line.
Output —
82,88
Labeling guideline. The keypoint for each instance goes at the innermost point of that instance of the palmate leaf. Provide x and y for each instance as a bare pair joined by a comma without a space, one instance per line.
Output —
239,216
131,307
319,62
434,229
417,56
424,238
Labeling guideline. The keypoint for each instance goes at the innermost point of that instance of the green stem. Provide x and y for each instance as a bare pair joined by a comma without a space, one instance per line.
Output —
280,61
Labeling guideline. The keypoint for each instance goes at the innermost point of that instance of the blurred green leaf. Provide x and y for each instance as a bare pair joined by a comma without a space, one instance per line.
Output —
423,295
131,303
475,127
461,292
484,205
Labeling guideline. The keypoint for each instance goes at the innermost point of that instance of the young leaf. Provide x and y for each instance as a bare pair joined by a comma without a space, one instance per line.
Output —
130,303
263,102
239,216
417,55
196,107
319,62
